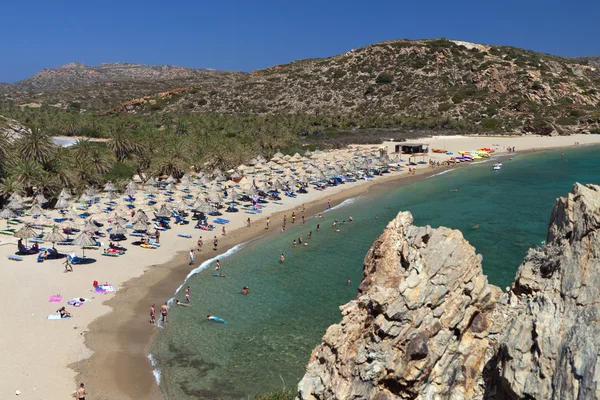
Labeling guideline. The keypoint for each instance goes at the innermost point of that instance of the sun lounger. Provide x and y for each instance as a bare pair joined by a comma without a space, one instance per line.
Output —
185,235
221,221
15,257
153,243
137,234
104,253
8,231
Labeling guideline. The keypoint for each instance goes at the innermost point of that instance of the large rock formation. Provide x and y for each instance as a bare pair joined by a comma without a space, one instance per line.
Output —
427,325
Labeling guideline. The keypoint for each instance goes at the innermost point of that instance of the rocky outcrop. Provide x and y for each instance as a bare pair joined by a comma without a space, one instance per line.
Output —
551,351
427,325
11,129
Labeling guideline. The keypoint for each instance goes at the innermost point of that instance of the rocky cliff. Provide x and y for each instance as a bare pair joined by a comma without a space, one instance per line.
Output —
427,325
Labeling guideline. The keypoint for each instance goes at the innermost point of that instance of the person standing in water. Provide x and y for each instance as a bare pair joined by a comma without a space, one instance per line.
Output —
217,266
303,220
152,314
268,222
164,310
188,296
318,227
309,235
347,281
282,258
328,204
350,218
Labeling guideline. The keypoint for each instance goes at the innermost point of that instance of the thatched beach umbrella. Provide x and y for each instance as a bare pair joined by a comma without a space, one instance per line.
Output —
109,187
26,232
171,187
15,204
90,192
140,216
140,226
84,198
40,199
163,212
89,227
61,204
117,229
7,214
181,207
36,209
215,197
130,190
54,236
83,240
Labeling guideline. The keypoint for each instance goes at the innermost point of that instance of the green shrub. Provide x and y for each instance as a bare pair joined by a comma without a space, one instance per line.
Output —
444,107
566,121
595,131
202,102
284,394
537,85
339,73
384,77
491,124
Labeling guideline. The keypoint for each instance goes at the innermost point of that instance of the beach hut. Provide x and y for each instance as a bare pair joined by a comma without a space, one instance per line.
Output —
54,236
84,240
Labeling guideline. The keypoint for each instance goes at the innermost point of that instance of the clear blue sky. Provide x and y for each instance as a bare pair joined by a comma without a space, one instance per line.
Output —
248,35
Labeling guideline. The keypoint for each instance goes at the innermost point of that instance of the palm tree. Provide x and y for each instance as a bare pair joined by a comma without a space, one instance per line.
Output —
100,161
120,143
8,186
36,146
29,174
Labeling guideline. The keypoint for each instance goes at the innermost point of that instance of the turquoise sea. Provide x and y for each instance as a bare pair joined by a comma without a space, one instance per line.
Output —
271,332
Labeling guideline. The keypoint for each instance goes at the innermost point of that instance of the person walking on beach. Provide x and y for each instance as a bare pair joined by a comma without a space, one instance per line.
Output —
284,220
303,208
157,235
293,217
328,204
268,222
215,243
282,258
192,254
303,220
80,393
200,243
188,296
164,310
68,265
248,221
223,230
152,314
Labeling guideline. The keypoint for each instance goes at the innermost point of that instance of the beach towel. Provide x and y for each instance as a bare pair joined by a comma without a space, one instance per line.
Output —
56,299
185,235
15,258
105,288
56,317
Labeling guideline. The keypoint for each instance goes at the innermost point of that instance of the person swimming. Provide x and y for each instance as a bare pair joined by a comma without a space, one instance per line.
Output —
245,290
177,302
215,318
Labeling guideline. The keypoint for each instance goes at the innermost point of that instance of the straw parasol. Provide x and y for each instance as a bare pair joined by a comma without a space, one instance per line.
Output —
84,198
170,179
7,214
54,236
170,187
117,229
89,192
151,181
140,216
40,199
215,197
140,226
181,207
26,232
61,203
15,204
89,227
36,209
84,240
109,187
130,190
163,212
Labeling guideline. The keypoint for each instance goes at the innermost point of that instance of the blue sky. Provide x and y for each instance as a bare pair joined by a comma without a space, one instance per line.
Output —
249,35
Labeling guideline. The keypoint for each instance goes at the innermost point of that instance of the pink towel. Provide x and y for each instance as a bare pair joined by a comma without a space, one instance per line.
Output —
56,299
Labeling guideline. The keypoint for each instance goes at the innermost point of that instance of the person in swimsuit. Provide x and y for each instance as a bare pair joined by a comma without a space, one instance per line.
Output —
293,218
347,281
177,302
318,227
215,243
152,314
80,393
245,290
350,218
294,242
192,254
64,313
200,243
268,222
282,258
188,297
309,235
68,265
164,310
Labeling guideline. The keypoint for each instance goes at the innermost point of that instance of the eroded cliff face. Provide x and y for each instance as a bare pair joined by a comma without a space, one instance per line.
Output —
427,325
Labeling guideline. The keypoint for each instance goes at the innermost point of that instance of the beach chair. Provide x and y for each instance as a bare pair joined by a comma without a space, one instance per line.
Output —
184,235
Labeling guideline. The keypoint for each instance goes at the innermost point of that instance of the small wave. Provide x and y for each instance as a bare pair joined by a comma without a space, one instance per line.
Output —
206,263
343,204
441,173
155,369
479,162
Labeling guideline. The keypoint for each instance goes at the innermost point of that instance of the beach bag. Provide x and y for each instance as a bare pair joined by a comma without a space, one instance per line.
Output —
95,283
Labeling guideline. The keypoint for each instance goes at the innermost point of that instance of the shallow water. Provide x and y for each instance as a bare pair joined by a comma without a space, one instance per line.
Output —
271,332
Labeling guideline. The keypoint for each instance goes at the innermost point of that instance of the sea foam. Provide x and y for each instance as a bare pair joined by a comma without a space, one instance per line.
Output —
155,369
343,204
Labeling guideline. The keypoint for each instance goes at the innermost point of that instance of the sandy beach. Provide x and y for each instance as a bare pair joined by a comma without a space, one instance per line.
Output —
106,342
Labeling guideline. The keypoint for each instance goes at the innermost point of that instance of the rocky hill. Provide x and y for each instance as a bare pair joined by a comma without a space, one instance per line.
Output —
493,88
11,129
427,325
77,74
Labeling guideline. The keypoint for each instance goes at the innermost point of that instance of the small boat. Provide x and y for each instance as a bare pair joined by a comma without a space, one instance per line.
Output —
438,150
497,166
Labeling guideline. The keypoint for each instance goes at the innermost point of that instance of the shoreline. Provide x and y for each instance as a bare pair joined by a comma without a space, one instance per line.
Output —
134,375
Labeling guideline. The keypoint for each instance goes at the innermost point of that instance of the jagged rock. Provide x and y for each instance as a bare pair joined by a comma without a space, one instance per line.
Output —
11,129
411,331
427,325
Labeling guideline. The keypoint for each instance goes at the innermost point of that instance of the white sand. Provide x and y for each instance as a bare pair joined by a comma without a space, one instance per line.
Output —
36,352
